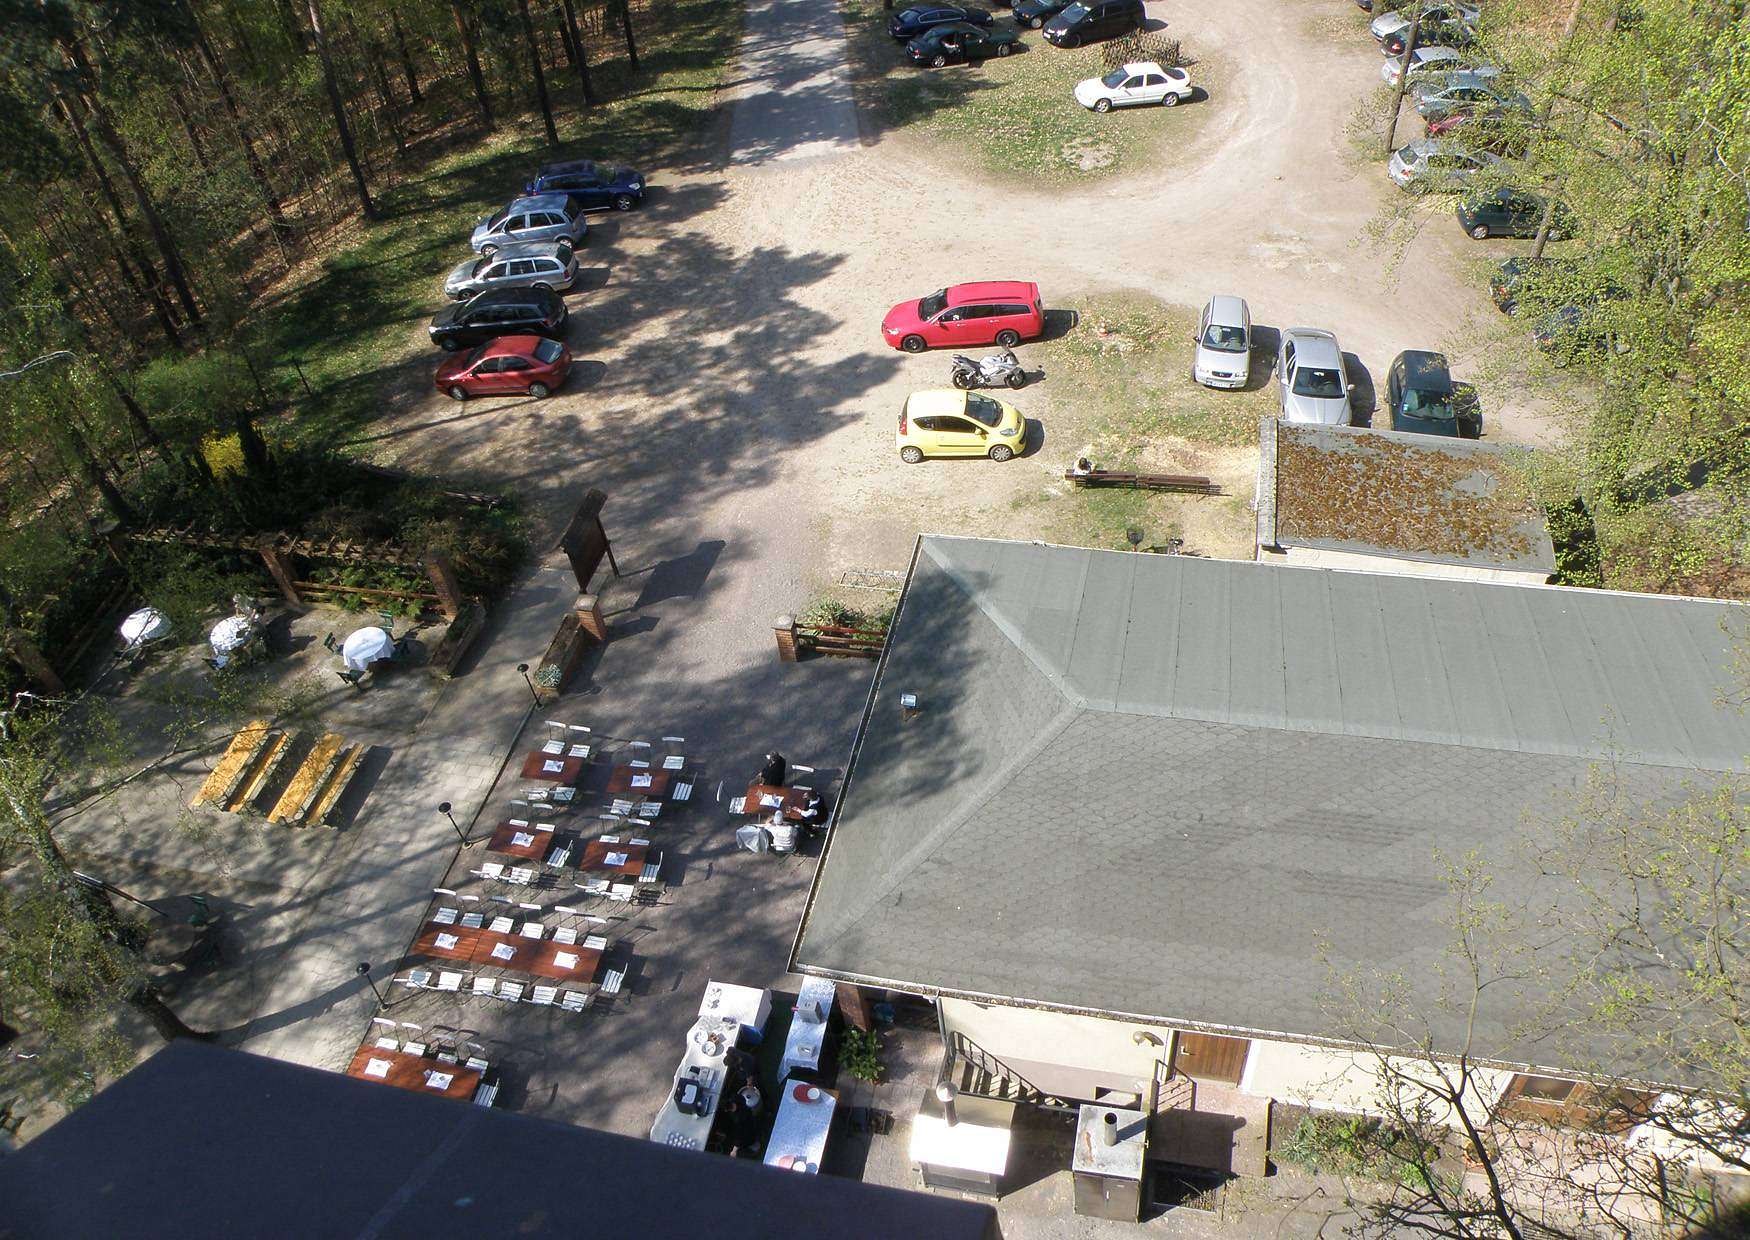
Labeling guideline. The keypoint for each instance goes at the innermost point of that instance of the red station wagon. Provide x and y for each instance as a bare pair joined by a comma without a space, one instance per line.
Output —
531,364
1003,312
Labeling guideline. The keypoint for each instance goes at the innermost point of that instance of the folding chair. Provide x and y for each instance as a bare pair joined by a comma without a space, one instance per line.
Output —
386,1022
555,743
532,930
565,934
681,792
609,839
620,805
636,840
574,1001
597,887
526,907
642,754
738,805
544,826
473,921
596,942
521,875
509,991
387,1044
611,984
492,871
442,891
560,856
502,925
477,1063
650,809
445,916
674,759
519,823
543,996
449,981
416,979
579,744
484,986
621,893
652,870
413,1048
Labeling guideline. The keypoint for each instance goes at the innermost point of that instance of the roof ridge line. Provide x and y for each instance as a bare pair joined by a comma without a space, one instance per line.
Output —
927,844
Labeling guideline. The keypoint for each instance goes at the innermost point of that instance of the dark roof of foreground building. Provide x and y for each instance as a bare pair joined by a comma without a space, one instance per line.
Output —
1424,498
202,1142
1158,786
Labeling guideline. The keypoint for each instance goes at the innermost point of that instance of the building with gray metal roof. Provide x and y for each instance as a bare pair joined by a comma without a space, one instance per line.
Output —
1161,788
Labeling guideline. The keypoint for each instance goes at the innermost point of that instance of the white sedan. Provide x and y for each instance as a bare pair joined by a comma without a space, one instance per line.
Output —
1145,82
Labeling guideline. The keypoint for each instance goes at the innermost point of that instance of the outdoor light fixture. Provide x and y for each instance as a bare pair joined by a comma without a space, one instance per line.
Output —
364,971
524,669
444,809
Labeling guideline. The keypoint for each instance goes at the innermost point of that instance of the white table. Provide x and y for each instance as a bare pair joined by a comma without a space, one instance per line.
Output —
802,1048
798,1140
724,1012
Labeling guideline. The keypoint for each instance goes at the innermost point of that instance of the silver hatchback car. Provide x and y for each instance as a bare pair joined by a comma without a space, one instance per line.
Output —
545,217
525,264
1224,343
1315,383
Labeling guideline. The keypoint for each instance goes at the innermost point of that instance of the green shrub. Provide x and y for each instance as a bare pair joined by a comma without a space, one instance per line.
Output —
860,1055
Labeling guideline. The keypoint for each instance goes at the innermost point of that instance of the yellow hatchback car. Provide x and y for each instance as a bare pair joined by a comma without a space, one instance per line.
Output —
949,422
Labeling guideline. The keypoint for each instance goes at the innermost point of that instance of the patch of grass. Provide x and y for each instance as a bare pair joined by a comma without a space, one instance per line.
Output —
1123,396
1015,117
1128,361
350,325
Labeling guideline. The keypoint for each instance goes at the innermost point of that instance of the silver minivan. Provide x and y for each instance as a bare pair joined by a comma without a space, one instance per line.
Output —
1224,343
545,217
525,264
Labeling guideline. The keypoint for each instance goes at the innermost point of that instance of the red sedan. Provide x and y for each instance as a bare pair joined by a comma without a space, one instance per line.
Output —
531,364
1003,312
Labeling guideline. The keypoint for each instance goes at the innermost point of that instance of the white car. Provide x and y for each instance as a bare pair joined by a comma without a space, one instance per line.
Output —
1143,82
1224,343
1314,381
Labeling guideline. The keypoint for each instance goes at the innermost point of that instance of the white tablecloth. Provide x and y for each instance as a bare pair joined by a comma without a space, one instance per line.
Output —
800,1131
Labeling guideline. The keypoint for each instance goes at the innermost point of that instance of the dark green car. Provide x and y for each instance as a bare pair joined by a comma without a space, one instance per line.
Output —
956,42
1421,398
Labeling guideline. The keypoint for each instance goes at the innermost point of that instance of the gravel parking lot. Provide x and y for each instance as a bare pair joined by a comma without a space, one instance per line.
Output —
731,353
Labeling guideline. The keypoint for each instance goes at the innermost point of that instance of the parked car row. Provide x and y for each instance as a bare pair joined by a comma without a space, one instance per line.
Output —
1312,375
506,311
942,34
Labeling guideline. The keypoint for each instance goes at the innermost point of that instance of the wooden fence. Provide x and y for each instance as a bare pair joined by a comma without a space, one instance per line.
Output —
796,639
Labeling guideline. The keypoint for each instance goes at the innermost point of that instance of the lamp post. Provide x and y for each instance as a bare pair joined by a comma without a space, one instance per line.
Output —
524,669
364,971
444,809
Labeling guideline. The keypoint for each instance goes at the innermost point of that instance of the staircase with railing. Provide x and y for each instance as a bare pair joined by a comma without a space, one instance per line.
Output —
976,1071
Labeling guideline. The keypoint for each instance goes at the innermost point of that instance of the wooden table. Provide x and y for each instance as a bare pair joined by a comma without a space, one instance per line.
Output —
489,949
620,782
545,766
504,841
409,1072
595,858
794,801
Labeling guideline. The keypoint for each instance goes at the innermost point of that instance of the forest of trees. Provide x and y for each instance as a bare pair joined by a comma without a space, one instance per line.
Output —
166,165
1636,126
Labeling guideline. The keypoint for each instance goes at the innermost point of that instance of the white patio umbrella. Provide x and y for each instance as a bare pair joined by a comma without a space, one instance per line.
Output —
230,633
366,647
145,625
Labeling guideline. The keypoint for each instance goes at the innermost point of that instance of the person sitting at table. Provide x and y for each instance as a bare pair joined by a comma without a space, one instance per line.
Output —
774,770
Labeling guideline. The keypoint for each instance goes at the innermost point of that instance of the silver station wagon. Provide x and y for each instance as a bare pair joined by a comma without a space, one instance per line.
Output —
525,264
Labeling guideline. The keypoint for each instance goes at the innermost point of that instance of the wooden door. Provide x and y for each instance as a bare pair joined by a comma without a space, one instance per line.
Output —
1210,1057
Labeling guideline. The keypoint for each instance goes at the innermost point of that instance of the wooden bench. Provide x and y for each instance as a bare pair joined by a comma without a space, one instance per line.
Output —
279,744
1189,484
310,779
234,765
338,780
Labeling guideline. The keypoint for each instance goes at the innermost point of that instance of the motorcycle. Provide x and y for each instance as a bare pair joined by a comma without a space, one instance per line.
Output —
996,370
